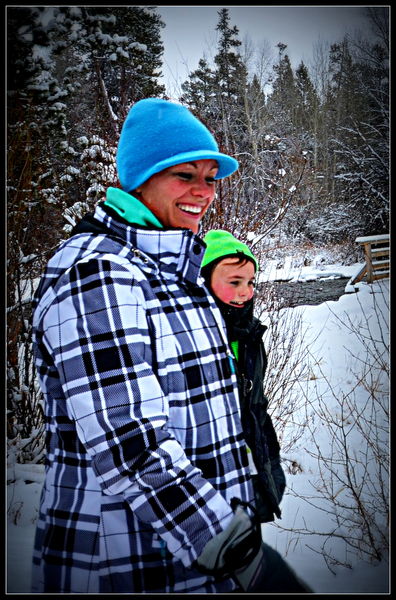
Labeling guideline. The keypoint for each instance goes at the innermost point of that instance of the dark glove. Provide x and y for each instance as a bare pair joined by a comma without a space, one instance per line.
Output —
278,477
239,553
236,552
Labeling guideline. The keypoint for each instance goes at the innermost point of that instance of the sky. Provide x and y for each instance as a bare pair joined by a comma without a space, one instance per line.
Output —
190,31
338,358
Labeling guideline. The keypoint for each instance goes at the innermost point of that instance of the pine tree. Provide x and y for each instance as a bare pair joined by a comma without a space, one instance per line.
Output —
343,106
306,110
216,96
230,72
199,90
73,72
234,108
283,98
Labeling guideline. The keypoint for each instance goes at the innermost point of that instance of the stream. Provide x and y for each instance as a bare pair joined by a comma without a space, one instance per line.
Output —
299,293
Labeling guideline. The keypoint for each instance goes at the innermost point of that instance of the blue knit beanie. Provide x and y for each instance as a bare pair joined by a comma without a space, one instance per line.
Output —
158,134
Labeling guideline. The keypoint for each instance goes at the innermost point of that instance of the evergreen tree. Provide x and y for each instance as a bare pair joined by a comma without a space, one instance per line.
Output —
343,98
230,72
283,99
234,108
216,96
73,72
230,83
306,110
85,68
351,147
199,91
255,115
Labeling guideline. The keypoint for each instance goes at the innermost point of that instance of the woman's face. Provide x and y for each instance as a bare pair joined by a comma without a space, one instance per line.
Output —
233,282
180,196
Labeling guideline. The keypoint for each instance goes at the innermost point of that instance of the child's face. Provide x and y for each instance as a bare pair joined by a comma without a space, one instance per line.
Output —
232,282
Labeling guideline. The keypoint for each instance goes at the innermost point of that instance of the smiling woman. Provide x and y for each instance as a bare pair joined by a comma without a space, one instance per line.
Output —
147,473
169,162
158,134
126,380
180,196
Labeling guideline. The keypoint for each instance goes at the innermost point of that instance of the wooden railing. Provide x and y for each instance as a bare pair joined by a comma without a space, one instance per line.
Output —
377,256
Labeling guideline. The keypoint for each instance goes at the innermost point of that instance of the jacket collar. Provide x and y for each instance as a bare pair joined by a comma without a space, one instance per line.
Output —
176,253
240,322
130,208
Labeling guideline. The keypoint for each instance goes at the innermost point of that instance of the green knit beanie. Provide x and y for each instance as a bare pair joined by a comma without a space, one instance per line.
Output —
222,244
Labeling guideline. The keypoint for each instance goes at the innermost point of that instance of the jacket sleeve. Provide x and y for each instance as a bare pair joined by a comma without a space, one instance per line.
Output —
98,335
277,472
271,437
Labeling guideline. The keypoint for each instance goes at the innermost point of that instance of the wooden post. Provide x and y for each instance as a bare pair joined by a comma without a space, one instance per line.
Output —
369,261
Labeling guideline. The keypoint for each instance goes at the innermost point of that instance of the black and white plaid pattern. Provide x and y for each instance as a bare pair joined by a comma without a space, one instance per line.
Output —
144,441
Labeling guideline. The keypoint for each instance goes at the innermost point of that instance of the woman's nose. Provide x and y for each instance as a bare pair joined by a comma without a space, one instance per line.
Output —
202,188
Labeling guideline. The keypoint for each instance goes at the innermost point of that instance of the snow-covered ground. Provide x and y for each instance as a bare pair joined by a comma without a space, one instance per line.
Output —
319,269
338,358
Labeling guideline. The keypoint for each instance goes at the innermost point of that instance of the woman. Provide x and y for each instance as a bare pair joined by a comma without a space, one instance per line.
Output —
145,453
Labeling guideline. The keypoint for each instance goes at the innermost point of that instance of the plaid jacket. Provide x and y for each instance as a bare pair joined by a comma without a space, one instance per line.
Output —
144,440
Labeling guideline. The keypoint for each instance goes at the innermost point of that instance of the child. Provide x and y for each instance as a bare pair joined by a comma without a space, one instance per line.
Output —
229,269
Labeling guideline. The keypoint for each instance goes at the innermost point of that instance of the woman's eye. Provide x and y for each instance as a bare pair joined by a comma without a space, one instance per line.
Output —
189,176
185,176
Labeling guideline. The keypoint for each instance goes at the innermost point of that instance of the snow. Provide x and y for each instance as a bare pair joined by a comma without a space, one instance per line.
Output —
337,355
318,270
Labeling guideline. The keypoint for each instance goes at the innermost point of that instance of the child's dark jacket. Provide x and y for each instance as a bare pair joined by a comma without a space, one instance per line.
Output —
257,424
